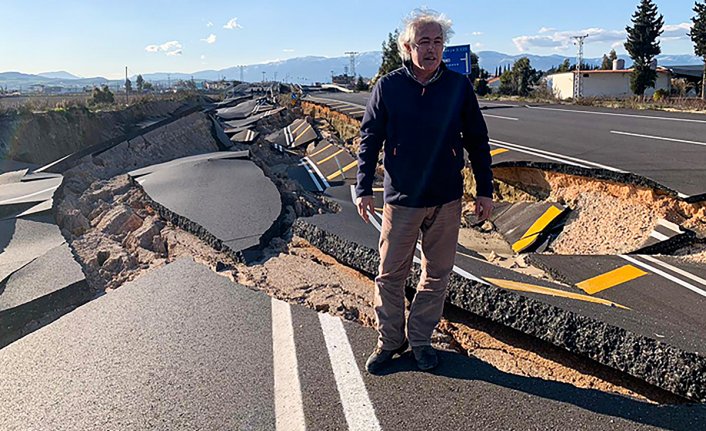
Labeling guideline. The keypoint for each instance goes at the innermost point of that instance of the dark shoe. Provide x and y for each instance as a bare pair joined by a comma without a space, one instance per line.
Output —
380,358
426,357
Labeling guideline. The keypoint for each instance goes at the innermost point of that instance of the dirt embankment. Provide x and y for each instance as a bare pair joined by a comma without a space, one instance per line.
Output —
47,136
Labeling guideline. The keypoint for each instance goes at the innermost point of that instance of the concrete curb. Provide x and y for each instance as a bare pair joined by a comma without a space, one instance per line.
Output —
675,370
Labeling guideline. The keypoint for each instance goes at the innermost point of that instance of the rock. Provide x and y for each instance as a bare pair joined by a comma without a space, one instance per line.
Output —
118,220
144,235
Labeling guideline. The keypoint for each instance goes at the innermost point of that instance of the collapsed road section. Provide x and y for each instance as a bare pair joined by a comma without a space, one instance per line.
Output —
633,312
121,228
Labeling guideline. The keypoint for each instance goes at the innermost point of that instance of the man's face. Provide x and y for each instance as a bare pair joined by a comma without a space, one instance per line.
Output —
428,46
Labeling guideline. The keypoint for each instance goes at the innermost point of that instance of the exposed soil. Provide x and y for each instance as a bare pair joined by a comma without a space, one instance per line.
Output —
608,217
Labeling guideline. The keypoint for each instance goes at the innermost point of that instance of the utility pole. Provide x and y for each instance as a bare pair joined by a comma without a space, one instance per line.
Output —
127,96
352,55
169,82
263,76
578,41
241,72
275,79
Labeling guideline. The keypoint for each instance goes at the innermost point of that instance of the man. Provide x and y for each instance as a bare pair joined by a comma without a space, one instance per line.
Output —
425,115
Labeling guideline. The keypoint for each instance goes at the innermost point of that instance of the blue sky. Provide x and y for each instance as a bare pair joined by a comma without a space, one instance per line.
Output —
100,37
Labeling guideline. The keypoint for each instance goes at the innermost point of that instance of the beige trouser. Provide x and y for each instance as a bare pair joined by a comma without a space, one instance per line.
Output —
398,239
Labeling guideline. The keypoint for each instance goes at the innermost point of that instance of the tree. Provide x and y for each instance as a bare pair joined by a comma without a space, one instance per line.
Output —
391,59
128,85
481,86
698,36
475,69
147,86
102,95
507,84
643,46
361,85
140,83
524,76
565,66
606,64
612,55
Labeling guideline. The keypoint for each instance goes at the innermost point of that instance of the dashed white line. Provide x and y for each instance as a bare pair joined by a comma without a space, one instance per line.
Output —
648,117
660,138
665,275
357,407
501,117
289,407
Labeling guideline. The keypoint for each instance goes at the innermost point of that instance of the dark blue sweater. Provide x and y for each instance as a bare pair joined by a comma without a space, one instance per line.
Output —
424,129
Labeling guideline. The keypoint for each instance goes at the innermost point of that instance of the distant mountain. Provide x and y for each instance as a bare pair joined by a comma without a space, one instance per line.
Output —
58,75
305,70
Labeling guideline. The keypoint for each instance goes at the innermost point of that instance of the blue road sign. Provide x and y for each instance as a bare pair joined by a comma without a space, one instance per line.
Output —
458,58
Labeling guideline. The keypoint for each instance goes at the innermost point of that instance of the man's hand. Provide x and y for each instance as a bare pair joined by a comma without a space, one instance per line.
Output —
365,204
484,208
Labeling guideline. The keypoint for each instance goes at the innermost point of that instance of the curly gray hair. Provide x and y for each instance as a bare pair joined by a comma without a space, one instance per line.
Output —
414,20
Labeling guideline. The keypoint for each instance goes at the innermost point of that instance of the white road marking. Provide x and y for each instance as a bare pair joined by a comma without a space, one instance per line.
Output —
669,225
289,408
660,236
313,177
11,200
499,104
541,155
500,117
660,138
318,172
357,407
679,271
555,156
648,117
664,274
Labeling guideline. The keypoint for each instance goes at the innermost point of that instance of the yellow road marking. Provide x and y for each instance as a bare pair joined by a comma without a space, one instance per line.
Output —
531,288
297,128
531,235
494,153
330,157
610,279
321,150
345,169
300,135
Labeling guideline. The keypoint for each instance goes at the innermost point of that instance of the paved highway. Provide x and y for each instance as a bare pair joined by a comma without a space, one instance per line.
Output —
183,348
668,148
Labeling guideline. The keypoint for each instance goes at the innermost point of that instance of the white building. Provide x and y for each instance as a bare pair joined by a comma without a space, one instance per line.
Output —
603,83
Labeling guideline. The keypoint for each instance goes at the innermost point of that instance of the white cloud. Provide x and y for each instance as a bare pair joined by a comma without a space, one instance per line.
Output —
477,33
549,38
172,47
209,24
676,31
203,57
287,50
232,24
210,39
561,40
